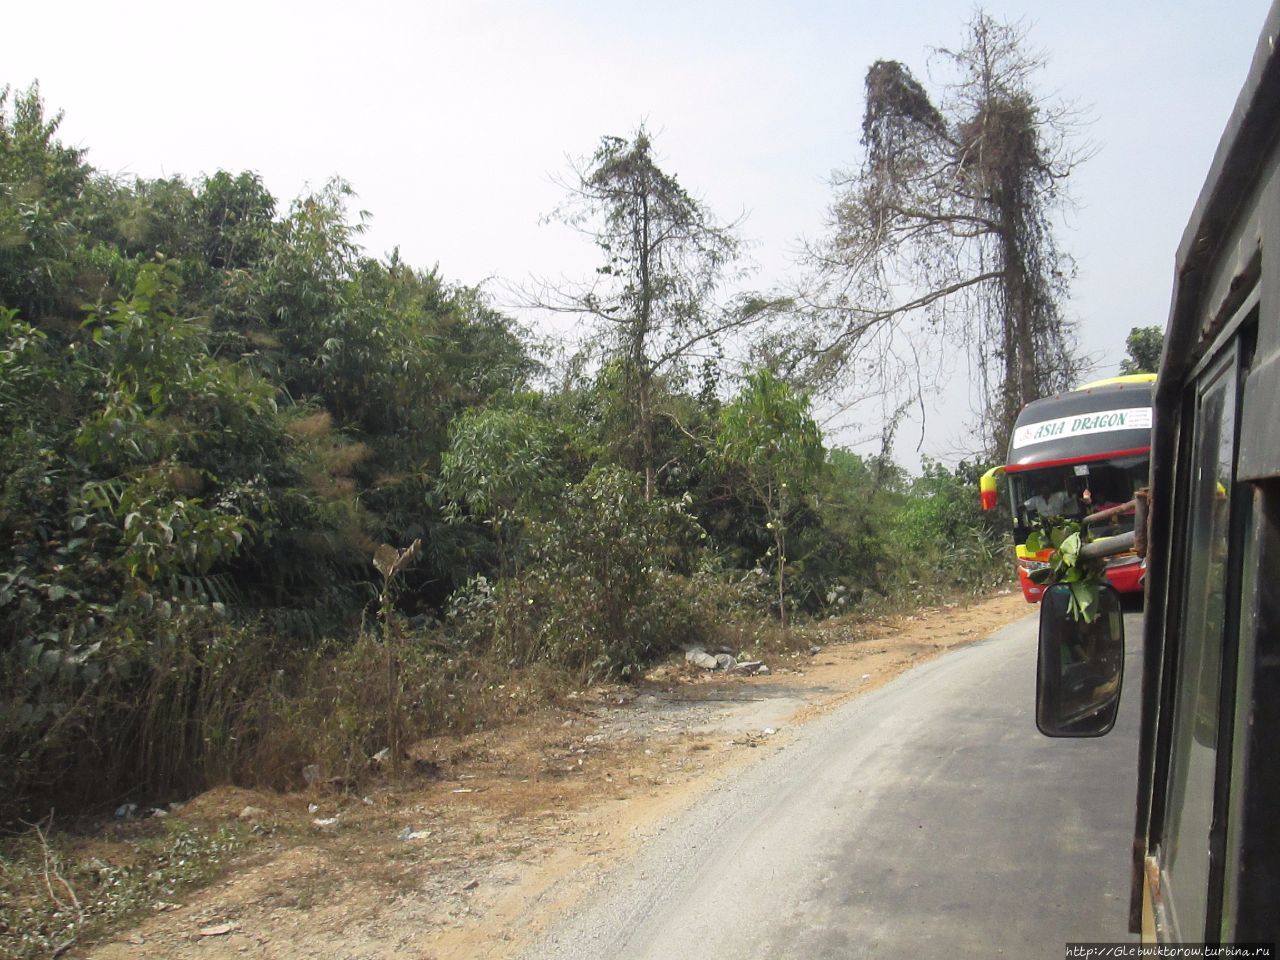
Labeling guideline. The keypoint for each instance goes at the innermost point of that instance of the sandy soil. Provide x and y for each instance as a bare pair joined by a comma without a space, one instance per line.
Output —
501,831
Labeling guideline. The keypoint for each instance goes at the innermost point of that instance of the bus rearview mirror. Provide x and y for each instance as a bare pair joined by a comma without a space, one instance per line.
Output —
1080,666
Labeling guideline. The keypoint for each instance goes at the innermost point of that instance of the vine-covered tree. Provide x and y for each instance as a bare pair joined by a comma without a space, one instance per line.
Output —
947,225
665,258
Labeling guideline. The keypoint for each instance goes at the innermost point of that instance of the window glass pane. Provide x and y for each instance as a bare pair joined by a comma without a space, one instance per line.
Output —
1190,810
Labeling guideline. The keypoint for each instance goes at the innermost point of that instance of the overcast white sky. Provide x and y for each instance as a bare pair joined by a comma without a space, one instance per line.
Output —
450,119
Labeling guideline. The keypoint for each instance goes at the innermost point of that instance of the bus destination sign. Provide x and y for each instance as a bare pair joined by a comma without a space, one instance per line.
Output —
1104,421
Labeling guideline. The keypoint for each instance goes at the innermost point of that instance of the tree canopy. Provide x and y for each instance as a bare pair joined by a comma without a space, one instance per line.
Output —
1143,347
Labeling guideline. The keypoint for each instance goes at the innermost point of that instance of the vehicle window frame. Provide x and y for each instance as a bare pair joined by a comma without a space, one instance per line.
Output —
1230,357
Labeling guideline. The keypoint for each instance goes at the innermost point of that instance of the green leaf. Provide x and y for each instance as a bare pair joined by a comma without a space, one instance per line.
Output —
1070,549
1084,601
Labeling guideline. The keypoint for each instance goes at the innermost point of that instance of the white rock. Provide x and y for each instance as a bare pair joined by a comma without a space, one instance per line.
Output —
700,658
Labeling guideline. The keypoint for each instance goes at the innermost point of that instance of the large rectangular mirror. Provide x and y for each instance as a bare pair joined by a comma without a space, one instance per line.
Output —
1081,666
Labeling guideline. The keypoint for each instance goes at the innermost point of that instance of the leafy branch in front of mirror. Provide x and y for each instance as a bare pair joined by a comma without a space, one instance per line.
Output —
1083,575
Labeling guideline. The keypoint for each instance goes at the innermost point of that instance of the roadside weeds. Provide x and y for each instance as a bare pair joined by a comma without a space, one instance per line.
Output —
491,836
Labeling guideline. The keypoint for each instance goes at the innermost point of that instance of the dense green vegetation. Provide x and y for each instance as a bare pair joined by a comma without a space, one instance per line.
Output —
1142,350
215,408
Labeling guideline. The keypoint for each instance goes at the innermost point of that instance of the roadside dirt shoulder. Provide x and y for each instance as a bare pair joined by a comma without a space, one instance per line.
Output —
497,833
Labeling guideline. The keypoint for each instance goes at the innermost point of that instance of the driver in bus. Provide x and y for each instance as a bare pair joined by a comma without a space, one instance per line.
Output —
1050,500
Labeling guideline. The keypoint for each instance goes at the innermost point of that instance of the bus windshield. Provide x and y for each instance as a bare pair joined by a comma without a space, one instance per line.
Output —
1074,491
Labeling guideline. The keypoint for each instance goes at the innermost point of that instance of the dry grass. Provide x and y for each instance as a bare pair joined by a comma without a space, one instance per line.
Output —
318,424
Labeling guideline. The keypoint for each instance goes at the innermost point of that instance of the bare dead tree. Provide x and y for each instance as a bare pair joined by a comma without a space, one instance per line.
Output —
946,229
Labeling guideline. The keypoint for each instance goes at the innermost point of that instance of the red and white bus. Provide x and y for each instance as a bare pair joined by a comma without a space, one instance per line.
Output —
1075,454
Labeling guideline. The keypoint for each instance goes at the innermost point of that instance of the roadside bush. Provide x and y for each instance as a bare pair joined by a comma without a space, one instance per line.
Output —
946,538
344,703
604,593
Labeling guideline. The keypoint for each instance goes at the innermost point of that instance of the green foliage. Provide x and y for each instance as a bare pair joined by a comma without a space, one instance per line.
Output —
499,468
945,536
1143,346
40,182
601,595
844,546
768,432
247,407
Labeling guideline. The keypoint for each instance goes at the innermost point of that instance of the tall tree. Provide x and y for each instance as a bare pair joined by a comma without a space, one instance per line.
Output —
665,258
949,221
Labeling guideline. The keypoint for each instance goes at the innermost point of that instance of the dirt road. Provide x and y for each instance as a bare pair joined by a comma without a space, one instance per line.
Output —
499,833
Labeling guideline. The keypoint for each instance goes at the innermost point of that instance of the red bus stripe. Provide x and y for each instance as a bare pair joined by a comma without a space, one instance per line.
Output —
1068,461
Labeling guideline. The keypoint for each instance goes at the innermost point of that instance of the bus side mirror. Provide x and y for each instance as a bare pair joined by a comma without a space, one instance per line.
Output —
1080,666
987,488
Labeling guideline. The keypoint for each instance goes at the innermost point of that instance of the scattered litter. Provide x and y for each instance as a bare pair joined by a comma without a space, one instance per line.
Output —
463,790
367,801
159,813
126,811
408,833
313,808
311,774
866,676
382,756
219,930
325,823
251,813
